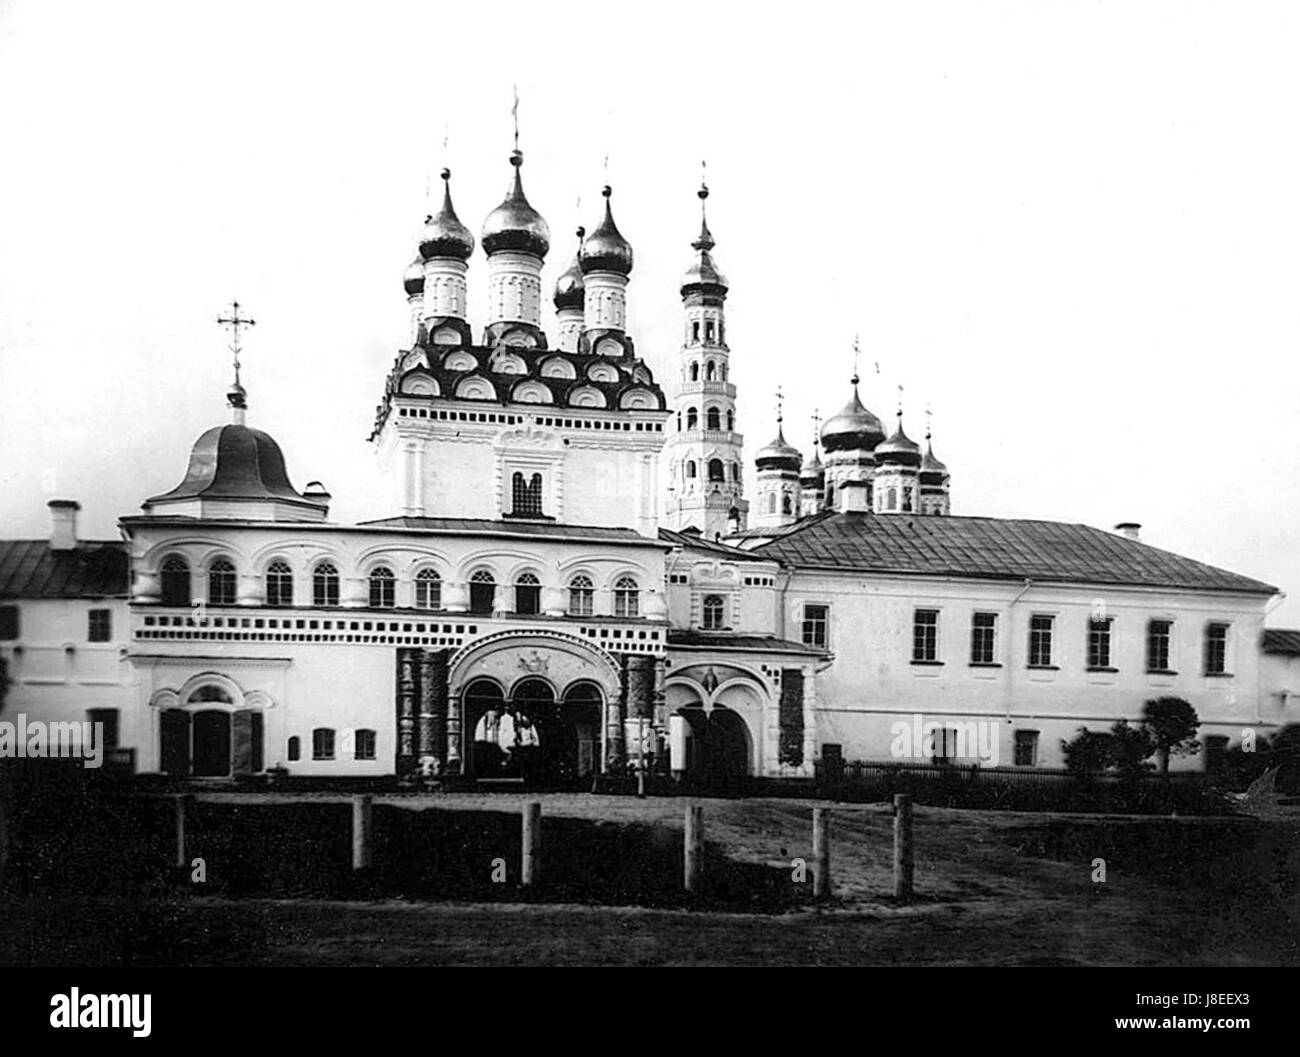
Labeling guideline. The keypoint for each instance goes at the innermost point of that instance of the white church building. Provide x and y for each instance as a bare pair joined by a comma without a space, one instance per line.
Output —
568,579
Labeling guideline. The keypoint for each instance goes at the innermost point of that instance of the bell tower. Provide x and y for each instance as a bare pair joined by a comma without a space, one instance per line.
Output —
705,479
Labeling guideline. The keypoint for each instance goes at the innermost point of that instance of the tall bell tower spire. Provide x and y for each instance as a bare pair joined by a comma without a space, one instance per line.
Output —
704,449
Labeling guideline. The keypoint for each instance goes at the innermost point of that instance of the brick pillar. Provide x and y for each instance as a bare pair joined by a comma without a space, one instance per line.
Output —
792,718
408,690
638,682
433,713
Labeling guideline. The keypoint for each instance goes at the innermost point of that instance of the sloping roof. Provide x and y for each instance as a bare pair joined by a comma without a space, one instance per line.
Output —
520,527
29,569
1282,640
699,543
994,548
722,640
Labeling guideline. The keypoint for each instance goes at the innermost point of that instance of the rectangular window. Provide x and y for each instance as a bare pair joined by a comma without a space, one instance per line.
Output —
1099,643
1215,747
945,745
1026,754
322,744
925,636
1040,640
8,623
364,748
1216,649
108,717
816,625
1159,633
100,625
983,638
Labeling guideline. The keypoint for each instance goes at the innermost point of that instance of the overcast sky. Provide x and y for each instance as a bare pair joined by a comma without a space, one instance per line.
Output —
1069,228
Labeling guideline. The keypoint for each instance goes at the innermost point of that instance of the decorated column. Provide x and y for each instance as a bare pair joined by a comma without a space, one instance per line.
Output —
433,714
408,688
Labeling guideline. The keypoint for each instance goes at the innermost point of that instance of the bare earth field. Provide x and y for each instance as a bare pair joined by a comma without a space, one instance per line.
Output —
992,889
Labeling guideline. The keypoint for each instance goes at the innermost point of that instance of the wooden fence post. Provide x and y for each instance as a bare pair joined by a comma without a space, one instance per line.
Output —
694,846
532,842
821,852
361,825
902,847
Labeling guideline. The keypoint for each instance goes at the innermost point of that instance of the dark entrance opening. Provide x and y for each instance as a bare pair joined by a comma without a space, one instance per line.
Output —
717,750
211,744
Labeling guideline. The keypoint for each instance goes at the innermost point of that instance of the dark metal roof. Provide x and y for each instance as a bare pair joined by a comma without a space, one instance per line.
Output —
465,525
1282,640
235,462
699,543
721,640
29,569
993,548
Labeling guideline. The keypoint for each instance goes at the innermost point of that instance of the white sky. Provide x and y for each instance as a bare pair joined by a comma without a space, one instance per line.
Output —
1070,228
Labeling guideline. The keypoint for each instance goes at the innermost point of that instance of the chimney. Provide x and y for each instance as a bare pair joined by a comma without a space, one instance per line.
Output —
1130,530
851,498
63,524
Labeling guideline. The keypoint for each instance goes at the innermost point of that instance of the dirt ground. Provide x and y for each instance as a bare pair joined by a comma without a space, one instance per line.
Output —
991,888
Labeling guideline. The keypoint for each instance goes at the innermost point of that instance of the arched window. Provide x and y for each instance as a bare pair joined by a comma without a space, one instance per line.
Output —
325,585
322,743
695,330
712,612
279,584
708,330
382,588
581,597
482,592
907,500
528,594
176,582
221,583
695,367
428,590
692,418
679,421
735,471
690,469
713,419
731,421
712,371
722,368
830,496
785,502
295,748
771,502
526,495
716,470
627,597
891,498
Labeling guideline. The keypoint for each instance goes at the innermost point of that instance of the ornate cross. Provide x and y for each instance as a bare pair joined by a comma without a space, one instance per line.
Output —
235,321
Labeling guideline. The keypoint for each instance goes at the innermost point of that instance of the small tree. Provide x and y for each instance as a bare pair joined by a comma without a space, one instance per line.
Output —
1087,754
1130,749
1172,723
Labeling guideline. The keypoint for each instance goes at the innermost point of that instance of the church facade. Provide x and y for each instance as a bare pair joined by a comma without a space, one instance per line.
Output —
569,579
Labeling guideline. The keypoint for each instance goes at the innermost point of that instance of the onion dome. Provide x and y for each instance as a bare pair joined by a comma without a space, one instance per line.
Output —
235,462
854,428
813,473
413,277
703,275
779,455
932,470
899,448
514,224
605,249
444,235
570,290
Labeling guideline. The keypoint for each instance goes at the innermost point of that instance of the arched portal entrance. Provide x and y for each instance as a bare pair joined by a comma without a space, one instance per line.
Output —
206,734
714,748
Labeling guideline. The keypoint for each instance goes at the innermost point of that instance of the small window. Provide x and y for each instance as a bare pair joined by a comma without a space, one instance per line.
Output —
528,594
627,598
1216,649
1099,643
9,626
1159,633
581,597
925,636
175,582
100,625
295,748
717,472
526,495
713,419
712,372
325,585
690,469
482,592
695,336
1040,640
322,744
279,584
945,745
221,583
708,330
731,421
771,502
364,745
713,615
695,367
785,503
983,638
382,588
1026,750
428,590
816,625
107,734
692,418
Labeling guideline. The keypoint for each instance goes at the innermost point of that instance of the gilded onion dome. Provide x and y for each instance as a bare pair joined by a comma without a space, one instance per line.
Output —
899,448
605,250
444,235
813,472
932,470
779,455
514,224
703,275
570,290
413,277
854,428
